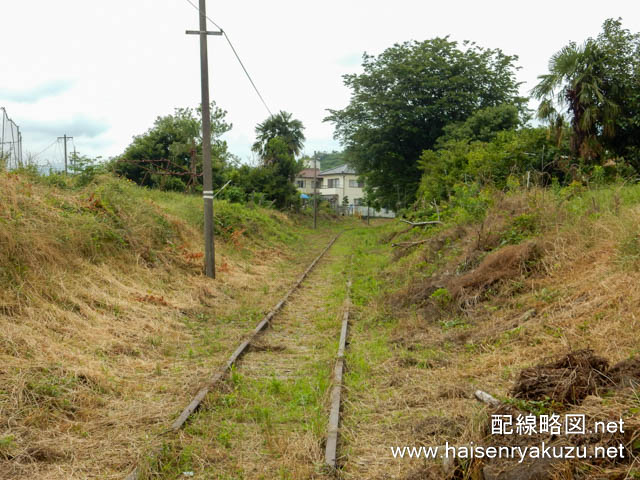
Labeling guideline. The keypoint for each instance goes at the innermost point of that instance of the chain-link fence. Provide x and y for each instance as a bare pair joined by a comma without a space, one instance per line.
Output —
10,142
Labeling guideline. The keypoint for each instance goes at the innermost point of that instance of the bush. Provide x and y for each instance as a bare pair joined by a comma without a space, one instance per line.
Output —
173,184
500,163
234,194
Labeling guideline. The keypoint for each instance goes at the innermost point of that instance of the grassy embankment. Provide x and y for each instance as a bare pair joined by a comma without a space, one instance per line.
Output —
473,306
108,325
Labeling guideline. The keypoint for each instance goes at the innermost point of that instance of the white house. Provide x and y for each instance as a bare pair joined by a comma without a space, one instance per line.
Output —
304,180
336,184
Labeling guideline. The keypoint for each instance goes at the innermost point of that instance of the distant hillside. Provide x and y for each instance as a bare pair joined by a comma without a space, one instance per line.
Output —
329,160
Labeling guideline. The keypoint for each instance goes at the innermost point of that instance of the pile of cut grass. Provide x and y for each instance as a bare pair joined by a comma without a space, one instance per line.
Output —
424,346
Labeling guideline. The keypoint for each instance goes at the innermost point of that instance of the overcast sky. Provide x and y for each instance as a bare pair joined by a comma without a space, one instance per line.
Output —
103,71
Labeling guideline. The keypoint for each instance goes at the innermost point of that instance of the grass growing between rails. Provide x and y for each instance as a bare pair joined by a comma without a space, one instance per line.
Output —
108,324
269,420
542,286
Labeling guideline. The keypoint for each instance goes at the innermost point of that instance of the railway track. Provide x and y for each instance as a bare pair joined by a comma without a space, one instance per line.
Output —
331,454
220,374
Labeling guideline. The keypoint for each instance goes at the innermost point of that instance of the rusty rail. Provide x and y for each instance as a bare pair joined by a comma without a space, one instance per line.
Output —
238,353
334,415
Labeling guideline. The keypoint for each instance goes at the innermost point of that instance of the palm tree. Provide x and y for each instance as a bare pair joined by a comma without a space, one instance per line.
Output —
575,83
279,125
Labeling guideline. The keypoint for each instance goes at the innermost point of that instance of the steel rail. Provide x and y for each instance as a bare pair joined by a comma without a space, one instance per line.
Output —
334,415
238,353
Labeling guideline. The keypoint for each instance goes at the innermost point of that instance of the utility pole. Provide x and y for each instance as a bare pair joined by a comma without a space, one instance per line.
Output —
207,180
315,194
4,114
65,138
368,210
20,146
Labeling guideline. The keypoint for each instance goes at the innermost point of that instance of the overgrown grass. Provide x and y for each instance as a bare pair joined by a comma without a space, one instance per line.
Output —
416,357
270,418
108,323
46,221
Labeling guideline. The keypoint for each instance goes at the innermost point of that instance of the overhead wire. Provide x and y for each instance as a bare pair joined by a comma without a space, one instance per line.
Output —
59,153
236,55
42,151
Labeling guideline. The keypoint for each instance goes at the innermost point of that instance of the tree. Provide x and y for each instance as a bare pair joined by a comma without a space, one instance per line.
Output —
175,140
575,84
483,125
596,85
621,50
405,97
279,125
274,178
462,162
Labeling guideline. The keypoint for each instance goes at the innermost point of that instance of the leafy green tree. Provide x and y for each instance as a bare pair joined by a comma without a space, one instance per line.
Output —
509,153
273,179
621,51
282,168
175,139
483,125
406,96
85,168
279,125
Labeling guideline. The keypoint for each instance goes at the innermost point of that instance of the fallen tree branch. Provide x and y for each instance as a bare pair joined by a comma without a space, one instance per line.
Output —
484,397
409,244
421,224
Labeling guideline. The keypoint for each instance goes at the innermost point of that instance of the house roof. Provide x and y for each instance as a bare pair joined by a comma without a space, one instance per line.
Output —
339,170
308,173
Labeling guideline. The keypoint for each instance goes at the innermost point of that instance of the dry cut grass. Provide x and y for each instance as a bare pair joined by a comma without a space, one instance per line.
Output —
426,345
107,324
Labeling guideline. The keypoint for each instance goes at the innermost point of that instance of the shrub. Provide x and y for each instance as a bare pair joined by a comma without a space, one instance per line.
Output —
173,184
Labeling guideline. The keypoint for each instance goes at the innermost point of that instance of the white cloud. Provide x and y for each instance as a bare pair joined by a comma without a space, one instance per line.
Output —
50,88
128,62
80,124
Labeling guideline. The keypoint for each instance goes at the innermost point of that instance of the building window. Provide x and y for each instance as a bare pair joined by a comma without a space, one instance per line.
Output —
333,183
300,183
358,202
356,183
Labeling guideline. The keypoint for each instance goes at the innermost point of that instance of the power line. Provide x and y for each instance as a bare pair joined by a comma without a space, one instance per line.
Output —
236,55
206,16
247,73
42,151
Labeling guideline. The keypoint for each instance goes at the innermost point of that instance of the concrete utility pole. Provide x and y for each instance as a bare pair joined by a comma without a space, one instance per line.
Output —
207,187
65,138
4,114
20,146
315,195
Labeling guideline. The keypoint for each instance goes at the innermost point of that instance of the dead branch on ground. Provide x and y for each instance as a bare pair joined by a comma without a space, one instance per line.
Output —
421,224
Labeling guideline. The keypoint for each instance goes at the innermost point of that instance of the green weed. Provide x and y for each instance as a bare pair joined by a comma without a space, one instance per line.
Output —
442,297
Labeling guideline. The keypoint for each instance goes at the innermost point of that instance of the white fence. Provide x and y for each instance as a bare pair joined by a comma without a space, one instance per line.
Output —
10,141
363,211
